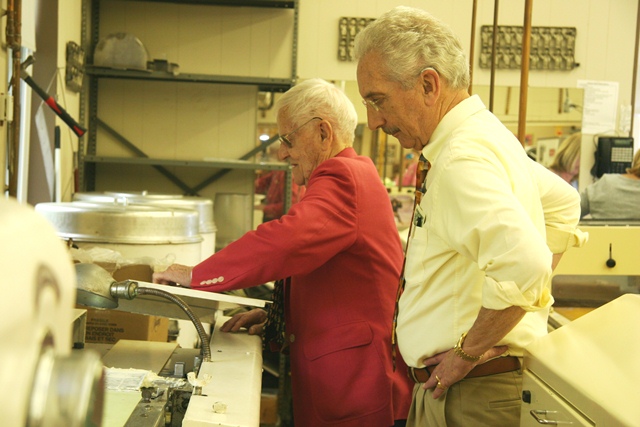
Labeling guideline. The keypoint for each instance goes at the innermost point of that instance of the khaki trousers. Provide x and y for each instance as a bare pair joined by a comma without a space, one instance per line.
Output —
491,401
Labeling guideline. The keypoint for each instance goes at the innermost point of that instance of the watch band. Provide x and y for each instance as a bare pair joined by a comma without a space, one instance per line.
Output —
463,354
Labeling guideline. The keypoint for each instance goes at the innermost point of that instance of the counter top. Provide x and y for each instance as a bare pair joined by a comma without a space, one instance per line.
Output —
593,362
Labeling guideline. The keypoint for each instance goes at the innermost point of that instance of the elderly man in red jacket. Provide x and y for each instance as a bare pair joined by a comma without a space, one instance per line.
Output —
340,248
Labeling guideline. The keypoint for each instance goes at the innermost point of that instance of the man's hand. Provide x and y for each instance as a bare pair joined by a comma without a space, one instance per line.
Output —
253,320
452,368
488,329
176,274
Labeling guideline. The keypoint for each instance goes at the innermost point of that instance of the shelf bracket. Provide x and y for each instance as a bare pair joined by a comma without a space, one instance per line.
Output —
164,171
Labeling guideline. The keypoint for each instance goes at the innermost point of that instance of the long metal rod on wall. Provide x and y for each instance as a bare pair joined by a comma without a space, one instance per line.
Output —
524,73
14,41
635,71
494,42
472,49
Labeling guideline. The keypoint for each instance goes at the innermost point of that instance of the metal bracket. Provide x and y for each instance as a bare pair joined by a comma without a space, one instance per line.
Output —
348,28
552,48
74,70
6,108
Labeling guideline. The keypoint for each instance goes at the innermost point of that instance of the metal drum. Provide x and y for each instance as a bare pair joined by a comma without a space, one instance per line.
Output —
132,230
203,206
113,221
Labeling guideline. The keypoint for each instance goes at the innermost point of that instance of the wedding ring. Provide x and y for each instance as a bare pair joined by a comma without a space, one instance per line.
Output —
439,385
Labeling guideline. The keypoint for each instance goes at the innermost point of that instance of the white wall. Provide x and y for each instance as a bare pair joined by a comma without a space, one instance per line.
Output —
318,34
204,40
605,41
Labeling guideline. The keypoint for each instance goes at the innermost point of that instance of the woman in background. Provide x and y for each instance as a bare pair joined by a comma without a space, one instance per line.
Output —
614,196
566,162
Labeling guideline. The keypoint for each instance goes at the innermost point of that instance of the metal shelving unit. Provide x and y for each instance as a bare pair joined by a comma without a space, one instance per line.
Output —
249,3
89,101
264,84
88,160
213,163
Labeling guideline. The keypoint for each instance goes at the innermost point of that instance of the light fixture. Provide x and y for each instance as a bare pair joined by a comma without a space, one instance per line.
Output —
97,288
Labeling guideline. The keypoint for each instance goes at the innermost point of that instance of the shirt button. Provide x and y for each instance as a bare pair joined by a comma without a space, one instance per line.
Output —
292,338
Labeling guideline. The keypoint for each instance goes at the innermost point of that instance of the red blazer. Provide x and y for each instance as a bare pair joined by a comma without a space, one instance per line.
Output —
341,248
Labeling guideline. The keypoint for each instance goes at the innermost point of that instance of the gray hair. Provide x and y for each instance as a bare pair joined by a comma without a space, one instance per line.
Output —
319,98
410,40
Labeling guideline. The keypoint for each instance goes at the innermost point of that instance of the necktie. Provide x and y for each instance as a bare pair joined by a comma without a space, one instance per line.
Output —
274,328
421,177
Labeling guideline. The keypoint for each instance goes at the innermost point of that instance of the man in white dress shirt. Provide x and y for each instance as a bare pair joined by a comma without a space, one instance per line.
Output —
486,233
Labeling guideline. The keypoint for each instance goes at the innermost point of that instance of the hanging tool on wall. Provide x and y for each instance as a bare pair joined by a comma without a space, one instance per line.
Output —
49,100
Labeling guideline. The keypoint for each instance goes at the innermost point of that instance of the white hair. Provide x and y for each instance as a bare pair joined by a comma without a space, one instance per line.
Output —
410,40
319,98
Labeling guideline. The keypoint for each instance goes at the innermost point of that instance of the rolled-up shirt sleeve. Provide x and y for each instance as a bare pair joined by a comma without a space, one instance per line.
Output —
561,207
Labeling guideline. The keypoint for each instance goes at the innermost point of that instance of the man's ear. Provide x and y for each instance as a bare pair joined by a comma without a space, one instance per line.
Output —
431,84
326,131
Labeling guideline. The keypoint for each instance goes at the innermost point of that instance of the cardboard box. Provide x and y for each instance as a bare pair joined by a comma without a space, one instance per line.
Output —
141,272
109,326
268,407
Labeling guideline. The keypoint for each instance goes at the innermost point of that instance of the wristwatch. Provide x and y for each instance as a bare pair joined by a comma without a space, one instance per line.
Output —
463,354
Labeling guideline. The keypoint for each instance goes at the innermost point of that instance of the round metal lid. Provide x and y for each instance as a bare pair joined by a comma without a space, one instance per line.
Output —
118,223
143,195
203,206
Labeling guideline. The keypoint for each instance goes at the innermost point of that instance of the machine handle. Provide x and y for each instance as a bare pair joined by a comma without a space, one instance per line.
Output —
611,262
540,416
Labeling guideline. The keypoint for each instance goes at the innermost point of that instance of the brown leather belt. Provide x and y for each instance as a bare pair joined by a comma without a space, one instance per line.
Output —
492,367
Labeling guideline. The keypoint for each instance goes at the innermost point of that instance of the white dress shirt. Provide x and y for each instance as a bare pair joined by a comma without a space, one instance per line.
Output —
486,230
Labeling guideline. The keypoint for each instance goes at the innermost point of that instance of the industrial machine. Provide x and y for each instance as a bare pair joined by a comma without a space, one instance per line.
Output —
585,371
218,384
50,377
43,382
605,268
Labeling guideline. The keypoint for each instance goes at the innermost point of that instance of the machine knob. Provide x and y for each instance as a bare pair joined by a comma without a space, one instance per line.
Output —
610,262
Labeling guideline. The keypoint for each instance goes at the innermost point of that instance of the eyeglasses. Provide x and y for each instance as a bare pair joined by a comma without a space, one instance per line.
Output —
375,104
284,139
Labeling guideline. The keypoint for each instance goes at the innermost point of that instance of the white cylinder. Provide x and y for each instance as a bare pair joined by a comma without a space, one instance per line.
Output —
203,206
133,231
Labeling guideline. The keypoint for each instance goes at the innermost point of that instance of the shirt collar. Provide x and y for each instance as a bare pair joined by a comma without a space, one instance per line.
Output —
452,120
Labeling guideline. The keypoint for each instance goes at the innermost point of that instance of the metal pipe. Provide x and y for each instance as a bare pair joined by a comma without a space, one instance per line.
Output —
205,350
635,71
524,72
472,49
494,42
129,290
14,41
